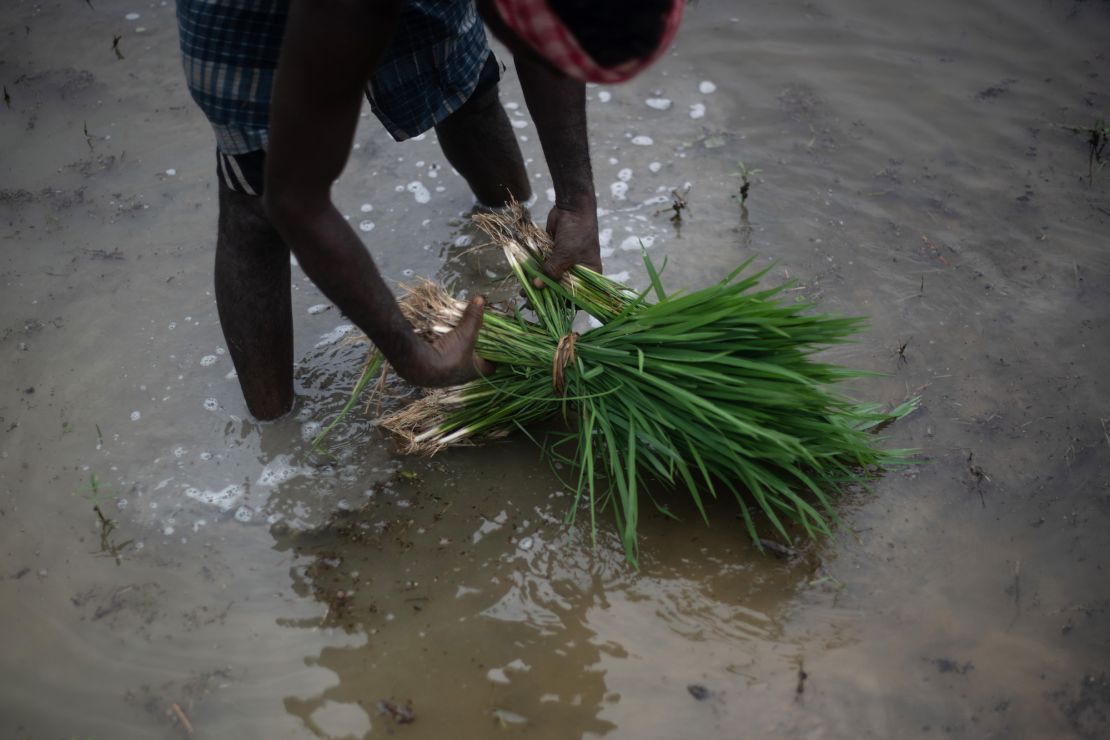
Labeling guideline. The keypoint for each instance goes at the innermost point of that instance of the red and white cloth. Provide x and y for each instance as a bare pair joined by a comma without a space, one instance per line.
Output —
538,25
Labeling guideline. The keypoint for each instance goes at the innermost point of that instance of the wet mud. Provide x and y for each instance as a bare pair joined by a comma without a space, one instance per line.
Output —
169,566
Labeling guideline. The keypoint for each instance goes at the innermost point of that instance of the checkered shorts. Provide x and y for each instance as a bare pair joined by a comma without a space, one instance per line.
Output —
229,48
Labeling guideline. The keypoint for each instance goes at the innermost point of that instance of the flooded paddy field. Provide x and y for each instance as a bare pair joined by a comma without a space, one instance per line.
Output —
167,564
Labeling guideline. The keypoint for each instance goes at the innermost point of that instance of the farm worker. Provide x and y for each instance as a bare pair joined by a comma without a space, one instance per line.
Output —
282,84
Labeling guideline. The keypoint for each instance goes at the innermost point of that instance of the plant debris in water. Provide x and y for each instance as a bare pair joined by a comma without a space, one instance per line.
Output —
1098,137
715,391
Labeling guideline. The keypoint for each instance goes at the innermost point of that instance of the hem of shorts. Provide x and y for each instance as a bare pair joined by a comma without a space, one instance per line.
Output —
236,140
233,140
456,100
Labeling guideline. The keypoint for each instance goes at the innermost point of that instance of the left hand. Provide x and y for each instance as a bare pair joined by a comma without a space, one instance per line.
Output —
574,232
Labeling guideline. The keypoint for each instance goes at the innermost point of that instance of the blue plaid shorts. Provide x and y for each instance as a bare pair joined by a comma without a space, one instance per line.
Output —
230,50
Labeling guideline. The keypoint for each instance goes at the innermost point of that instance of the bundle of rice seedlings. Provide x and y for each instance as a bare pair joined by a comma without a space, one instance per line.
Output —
715,391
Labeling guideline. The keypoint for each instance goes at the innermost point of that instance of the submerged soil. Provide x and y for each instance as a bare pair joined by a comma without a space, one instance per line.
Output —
913,163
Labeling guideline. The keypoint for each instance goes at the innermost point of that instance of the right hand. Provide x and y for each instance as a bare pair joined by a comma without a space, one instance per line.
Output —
450,359
575,242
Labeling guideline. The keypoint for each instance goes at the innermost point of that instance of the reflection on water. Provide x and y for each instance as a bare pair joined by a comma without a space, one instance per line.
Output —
531,624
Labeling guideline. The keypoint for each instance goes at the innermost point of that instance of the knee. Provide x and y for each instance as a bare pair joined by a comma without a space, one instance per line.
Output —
241,211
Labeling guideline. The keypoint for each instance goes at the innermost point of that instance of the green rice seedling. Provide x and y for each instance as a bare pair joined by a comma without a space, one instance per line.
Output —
717,391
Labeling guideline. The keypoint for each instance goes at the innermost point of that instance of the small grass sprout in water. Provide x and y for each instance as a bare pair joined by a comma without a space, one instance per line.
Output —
745,174
95,493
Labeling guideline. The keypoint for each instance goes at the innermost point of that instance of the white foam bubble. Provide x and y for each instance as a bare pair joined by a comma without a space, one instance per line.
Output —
277,471
366,225
697,110
419,191
135,416
171,172
632,243
619,189
462,241
604,96
625,174
613,160
318,308
366,208
208,360
705,87
605,237
643,140
223,499
497,675
550,195
243,514
655,166
520,123
132,17
659,103
211,404
335,335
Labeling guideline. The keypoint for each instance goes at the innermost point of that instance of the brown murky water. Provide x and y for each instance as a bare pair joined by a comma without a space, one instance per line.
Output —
912,167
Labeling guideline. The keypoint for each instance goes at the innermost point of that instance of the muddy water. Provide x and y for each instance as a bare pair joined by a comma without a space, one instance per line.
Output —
911,167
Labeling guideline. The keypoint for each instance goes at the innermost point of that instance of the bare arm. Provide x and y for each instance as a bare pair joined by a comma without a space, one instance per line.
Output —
558,107
330,49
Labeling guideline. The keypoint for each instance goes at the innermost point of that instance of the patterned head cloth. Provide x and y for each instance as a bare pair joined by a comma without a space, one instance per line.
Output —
539,26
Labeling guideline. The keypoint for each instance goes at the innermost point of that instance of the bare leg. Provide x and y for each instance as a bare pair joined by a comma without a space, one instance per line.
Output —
479,142
253,300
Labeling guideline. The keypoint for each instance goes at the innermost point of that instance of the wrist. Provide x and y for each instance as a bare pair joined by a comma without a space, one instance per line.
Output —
404,349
